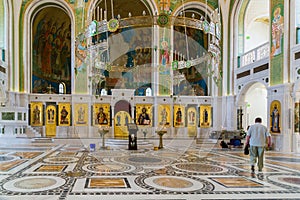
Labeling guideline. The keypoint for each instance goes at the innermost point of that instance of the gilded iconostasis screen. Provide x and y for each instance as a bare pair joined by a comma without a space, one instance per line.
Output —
51,51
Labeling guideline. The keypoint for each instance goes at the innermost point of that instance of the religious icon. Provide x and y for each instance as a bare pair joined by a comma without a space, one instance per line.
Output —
297,118
36,114
144,118
118,120
179,116
143,113
191,116
51,114
205,112
81,114
122,119
165,56
277,31
101,117
164,115
101,114
64,114
275,117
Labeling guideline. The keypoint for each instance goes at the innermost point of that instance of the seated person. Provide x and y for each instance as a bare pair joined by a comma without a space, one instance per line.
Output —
223,144
236,142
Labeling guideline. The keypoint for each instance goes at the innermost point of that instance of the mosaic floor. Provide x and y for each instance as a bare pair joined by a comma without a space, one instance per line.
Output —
67,170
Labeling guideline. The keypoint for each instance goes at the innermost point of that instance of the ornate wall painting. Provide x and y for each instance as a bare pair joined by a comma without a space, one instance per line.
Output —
191,116
179,116
121,120
64,114
277,42
297,117
165,82
81,114
50,120
50,115
205,116
51,50
275,114
101,114
36,113
144,114
164,115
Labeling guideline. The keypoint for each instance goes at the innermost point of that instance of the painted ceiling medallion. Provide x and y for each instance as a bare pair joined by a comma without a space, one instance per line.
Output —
113,25
163,19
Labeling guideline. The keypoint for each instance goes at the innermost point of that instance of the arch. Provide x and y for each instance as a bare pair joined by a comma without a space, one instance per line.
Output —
241,95
248,103
134,55
236,42
199,41
8,50
2,24
193,6
241,11
122,116
150,4
29,15
103,92
256,23
62,88
148,92
123,105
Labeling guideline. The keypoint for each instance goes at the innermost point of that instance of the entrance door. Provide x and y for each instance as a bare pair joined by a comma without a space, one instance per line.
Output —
191,121
122,118
51,121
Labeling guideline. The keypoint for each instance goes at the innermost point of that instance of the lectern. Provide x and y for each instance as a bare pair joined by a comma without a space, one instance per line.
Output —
132,136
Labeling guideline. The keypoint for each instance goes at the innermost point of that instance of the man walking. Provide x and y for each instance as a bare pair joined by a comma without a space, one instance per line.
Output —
257,136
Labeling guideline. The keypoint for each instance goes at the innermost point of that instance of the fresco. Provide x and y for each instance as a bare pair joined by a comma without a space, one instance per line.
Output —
276,44
51,61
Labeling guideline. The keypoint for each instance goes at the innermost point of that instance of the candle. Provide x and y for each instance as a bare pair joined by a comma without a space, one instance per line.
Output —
101,14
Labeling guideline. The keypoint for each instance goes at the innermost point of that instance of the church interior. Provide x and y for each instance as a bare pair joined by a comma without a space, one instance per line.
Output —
116,99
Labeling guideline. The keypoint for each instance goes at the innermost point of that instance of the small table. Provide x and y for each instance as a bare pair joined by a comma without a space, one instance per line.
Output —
102,133
161,133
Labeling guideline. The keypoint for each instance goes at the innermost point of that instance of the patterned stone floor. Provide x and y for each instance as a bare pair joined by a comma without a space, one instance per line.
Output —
67,170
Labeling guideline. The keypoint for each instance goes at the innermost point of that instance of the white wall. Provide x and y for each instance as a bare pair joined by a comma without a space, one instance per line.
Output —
256,98
256,24
258,34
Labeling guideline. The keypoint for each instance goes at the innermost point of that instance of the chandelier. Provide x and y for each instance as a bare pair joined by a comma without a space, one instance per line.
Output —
97,55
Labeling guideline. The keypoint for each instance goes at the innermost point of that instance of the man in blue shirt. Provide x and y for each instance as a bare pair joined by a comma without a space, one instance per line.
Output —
257,136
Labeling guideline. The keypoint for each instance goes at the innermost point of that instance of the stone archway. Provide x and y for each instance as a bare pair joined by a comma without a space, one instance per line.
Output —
252,102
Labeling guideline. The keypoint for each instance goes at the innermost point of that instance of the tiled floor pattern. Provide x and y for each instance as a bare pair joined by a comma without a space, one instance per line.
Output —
182,170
